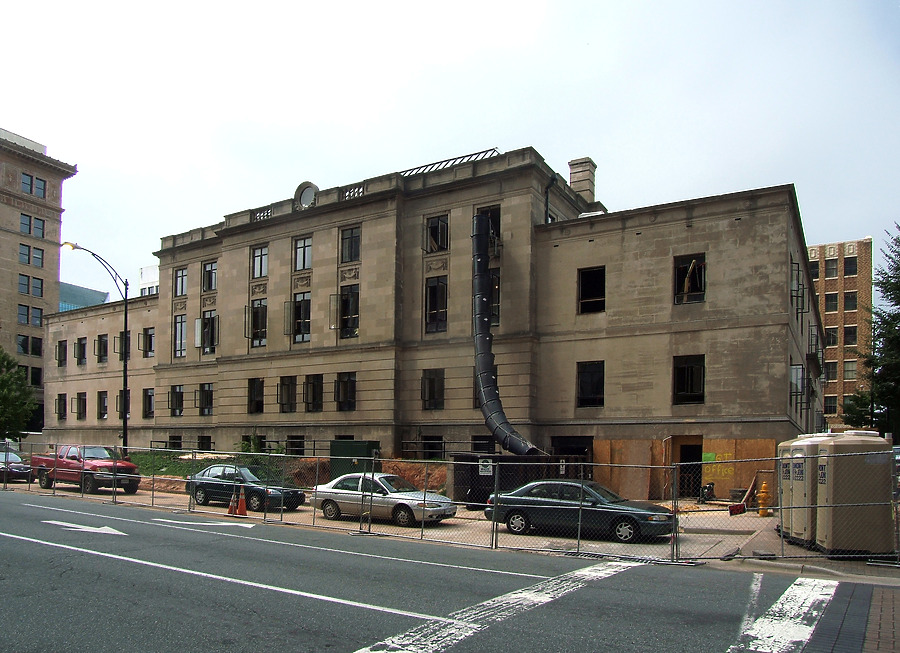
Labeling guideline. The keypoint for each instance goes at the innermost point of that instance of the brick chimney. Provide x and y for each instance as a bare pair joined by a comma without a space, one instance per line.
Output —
581,177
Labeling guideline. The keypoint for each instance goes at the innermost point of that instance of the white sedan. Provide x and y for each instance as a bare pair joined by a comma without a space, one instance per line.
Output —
383,496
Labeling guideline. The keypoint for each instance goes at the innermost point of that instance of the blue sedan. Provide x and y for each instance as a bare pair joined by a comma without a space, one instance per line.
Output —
565,504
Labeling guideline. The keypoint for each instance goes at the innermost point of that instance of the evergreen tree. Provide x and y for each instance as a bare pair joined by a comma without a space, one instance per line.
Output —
16,398
879,406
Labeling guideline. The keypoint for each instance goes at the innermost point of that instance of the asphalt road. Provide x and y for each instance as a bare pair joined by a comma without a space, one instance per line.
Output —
78,575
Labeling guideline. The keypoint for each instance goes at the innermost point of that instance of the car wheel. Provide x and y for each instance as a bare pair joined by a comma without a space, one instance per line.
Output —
625,530
201,497
44,480
88,484
131,487
255,502
403,516
330,510
517,523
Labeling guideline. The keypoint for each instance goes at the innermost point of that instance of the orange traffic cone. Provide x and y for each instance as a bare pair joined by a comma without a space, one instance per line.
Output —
232,505
241,505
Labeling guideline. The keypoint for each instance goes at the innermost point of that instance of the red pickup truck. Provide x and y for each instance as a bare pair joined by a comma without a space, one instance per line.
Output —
90,466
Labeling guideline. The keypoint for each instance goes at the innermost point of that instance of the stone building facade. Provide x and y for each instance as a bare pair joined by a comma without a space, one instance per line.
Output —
30,221
664,334
842,273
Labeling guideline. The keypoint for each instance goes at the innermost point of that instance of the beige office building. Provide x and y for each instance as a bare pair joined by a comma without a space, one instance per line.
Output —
842,273
31,217
671,333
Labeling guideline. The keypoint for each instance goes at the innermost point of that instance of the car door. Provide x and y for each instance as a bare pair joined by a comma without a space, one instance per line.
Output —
376,497
542,505
347,495
216,485
69,468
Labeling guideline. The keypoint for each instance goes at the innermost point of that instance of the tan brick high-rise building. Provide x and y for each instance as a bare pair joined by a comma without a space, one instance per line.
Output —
843,284
30,220
670,333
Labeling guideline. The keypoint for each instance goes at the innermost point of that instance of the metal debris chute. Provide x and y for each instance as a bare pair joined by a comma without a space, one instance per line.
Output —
485,378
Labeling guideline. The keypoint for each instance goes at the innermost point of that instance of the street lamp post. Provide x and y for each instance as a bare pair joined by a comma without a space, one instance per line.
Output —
122,287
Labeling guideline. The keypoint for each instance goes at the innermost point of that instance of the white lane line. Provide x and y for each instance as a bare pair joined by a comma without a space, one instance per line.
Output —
247,583
434,637
426,563
100,530
789,623
752,603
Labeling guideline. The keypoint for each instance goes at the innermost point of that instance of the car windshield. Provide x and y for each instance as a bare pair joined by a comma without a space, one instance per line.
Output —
397,484
604,493
100,452
248,475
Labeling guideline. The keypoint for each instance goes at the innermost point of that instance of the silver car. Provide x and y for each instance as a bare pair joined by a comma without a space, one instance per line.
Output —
383,496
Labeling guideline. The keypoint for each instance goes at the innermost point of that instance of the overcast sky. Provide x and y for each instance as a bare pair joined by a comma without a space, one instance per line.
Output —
178,113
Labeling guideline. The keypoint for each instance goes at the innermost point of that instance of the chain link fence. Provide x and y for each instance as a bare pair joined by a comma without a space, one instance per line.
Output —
797,506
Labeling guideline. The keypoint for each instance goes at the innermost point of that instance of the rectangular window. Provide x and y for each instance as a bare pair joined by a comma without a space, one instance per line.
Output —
27,184
40,188
207,332
37,376
148,342
688,381
37,287
21,344
61,406
206,399
303,253
259,262
313,393
797,386
24,223
495,296
437,234
148,403
433,389
690,278
345,391
258,323
436,304
180,286
62,353
849,336
300,312
433,447
24,254
101,348
287,394
831,336
350,244
37,257
255,395
81,406
592,290
831,302
295,445
590,384
176,400
24,284
37,227
23,314
831,268
179,337
208,279
81,351
814,269
850,266
850,370
830,405
37,316
850,301
349,319
831,370
37,346
102,404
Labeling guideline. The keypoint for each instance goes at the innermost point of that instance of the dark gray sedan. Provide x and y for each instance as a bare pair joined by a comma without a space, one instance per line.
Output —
564,504
221,482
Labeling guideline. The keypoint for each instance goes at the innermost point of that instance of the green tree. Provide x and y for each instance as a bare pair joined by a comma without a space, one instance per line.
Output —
16,398
879,405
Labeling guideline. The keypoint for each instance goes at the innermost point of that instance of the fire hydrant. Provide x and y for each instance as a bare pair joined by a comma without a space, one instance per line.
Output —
763,499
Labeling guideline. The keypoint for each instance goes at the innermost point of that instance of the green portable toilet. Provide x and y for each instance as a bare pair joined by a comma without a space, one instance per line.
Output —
349,456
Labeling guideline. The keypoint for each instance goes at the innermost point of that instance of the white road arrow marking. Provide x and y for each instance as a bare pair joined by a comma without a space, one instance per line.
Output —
106,530
206,523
